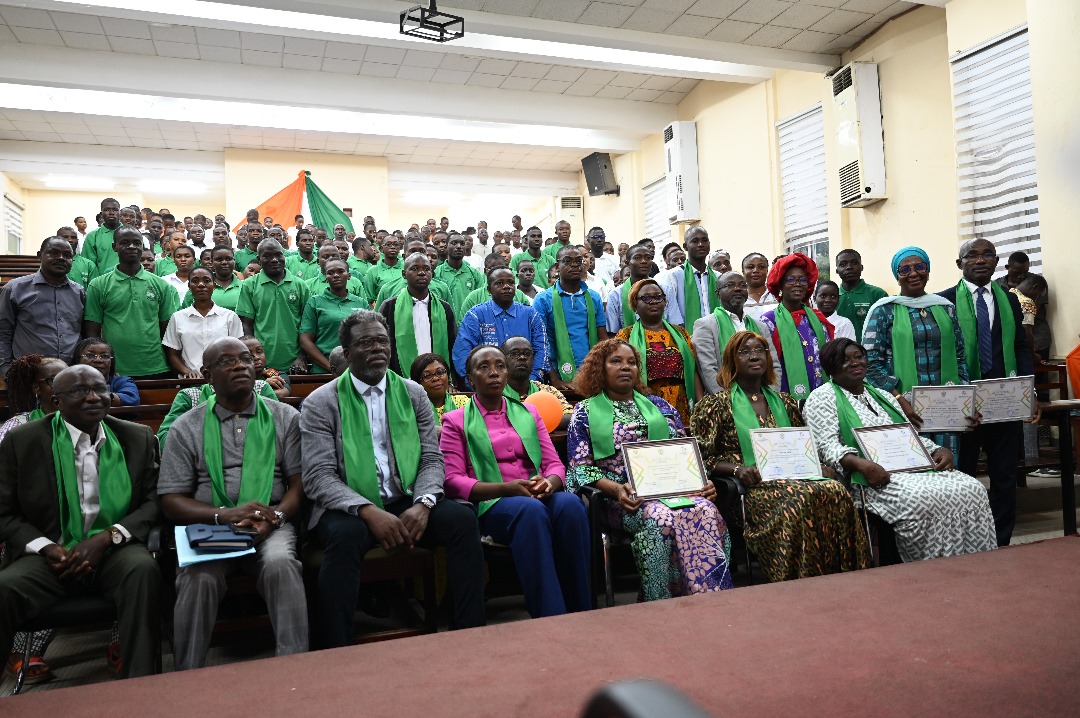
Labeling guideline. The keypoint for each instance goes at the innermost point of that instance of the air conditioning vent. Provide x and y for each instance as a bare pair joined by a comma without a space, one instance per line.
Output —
841,81
574,202
849,182
857,127
681,184
668,133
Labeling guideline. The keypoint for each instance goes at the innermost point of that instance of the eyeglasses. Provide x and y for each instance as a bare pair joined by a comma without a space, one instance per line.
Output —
792,281
228,362
853,360
371,342
747,353
80,392
652,298
569,262
437,374
90,356
597,236
520,354
985,256
908,269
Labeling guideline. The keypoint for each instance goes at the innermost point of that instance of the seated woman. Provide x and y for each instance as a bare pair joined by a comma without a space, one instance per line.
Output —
499,456
678,551
797,528
278,382
432,372
934,513
98,353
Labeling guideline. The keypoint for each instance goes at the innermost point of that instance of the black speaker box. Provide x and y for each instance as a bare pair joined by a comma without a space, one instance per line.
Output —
600,174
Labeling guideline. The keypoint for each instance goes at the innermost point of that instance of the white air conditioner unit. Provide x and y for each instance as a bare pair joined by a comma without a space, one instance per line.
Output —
571,208
860,143
681,163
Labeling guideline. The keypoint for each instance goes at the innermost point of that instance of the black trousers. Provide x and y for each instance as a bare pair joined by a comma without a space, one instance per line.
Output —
1002,443
346,539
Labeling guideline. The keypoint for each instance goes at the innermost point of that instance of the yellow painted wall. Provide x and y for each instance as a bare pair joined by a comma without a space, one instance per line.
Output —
973,22
9,188
190,208
48,210
622,217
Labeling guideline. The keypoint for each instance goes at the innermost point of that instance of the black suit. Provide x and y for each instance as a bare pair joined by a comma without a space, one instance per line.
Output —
1001,442
29,509
387,310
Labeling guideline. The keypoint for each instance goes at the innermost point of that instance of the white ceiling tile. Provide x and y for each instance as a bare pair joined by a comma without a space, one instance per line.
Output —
800,16
893,10
565,10
172,33
479,79
6,35
379,69
868,6
42,136
583,89
659,82
348,51
685,85
534,70
261,42
218,38
733,31
460,62
605,14
388,55
628,79
31,126
614,93
260,58
27,17
670,98
86,41
565,74
178,134
306,46
809,41
450,161
648,20
345,67
641,95
116,141
6,126
496,67
73,22
759,10
182,145
120,27
555,86
692,26
476,162
177,49
842,43
11,135
518,83
450,77
507,7
132,45
36,36
598,77
502,164
419,74
335,146
144,132
840,22
457,152
830,3
679,6
25,116
220,54
78,139
715,8
422,58
771,36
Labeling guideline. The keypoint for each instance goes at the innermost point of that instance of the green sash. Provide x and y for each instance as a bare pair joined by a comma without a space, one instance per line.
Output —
601,413
628,315
361,473
794,359
114,484
260,456
637,340
848,420
37,413
693,310
903,347
564,353
742,411
405,337
478,443
510,393
726,327
965,314
448,404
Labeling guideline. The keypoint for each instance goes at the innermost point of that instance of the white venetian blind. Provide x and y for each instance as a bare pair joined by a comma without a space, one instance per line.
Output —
995,147
802,179
12,223
656,224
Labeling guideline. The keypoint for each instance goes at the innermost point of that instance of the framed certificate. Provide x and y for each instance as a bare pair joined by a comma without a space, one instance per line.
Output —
894,447
1001,400
787,453
660,469
944,408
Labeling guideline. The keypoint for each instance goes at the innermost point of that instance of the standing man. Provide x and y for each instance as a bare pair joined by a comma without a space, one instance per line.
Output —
305,263
573,315
297,226
386,269
271,305
80,226
94,538
713,331
418,322
363,256
130,308
98,246
41,313
604,265
534,252
460,277
856,296
996,347
383,485
252,236
562,239
515,221
1017,270
618,311
82,269
235,459
691,288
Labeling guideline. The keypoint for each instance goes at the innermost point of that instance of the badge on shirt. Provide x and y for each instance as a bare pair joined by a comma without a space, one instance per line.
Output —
292,298
150,295
566,368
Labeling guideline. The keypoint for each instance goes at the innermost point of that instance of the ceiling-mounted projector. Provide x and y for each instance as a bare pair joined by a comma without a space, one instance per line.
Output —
427,23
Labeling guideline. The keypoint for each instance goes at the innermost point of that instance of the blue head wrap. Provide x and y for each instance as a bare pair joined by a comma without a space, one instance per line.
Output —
904,254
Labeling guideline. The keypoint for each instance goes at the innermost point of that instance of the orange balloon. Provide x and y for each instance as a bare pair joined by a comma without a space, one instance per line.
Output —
550,409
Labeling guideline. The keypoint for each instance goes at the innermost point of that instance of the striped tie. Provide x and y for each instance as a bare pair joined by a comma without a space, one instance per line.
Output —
982,320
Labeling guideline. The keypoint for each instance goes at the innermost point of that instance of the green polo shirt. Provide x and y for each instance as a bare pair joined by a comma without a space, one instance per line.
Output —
302,268
82,270
460,281
276,308
244,257
323,315
552,250
481,295
380,273
856,303
390,288
227,297
130,311
542,266
318,284
164,266
98,248
358,267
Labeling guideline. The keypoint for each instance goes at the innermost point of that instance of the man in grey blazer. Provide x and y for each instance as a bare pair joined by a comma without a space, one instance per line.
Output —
346,523
710,338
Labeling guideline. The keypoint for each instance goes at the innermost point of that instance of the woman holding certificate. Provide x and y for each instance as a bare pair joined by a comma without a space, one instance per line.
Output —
796,527
678,551
914,339
499,456
934,513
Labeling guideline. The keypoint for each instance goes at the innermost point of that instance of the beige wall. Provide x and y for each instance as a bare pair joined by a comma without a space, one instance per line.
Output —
973,22
48,210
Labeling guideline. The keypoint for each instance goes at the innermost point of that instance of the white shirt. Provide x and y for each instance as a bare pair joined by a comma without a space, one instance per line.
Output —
190,332
481,250
605,266
421,322
476,262
375,399
988,297
291,231
180,285
602,286
843,326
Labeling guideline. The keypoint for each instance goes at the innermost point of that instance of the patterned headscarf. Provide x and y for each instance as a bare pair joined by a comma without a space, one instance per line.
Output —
904,254
774,282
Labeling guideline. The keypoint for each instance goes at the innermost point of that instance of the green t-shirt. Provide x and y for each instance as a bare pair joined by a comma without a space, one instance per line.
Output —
82,271
302,268
481,295
379,273
391,288
244,257
227,297
358,267
322,318
98,248
164,266
275,308
552,250
856,303
130,311
461,282
542,266
318,284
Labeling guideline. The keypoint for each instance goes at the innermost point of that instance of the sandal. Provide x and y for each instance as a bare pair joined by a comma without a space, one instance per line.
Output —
37,671
112,655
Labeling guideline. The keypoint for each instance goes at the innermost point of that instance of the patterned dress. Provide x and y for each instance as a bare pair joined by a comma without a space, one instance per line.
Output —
664,365
934,513
877,340
810,345
678,551
797,528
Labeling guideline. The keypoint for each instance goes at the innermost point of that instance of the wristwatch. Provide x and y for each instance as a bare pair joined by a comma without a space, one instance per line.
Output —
281,518
117,537
428,500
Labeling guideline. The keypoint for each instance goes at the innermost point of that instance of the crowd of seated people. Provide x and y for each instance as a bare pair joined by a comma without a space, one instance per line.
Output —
425,346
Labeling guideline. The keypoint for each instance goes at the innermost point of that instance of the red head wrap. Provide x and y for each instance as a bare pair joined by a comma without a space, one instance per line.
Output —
775,281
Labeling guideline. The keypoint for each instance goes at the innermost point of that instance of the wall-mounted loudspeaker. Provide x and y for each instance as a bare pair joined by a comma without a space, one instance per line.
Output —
600,174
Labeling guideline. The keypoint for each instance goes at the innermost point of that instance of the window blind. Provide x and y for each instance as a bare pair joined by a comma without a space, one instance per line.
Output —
802,179
12,225
656,224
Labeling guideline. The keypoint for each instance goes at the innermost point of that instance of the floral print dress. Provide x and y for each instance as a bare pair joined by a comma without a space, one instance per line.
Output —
664,366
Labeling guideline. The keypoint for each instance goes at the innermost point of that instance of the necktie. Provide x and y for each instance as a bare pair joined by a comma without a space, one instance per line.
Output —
982,321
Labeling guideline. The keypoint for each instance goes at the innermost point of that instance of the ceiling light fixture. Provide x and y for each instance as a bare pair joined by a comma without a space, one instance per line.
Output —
430,24
78,183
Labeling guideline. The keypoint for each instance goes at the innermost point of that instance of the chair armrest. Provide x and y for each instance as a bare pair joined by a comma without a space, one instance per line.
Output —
589,491
153,541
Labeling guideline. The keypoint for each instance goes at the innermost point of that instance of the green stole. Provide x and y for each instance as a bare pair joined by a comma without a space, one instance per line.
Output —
726,327
793,357
361,473
848,420
448,404
693,310
637,340
564,353
903,347
965,314
510,393
478,442
260,456
114,484
742,412
37,413
601,413
405,337
628,314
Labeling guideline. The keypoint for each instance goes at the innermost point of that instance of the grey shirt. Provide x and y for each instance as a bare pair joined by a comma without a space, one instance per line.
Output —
183,465
324,458
38,318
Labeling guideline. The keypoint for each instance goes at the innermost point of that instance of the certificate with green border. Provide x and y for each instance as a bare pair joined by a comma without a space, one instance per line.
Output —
786,453
893,447
661,469
944,408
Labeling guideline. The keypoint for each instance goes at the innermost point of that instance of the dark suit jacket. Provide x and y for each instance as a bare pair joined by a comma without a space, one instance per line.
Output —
29,504
387,310
1024,364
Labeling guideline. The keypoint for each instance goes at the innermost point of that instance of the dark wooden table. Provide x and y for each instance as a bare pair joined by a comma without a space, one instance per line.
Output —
1062,412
